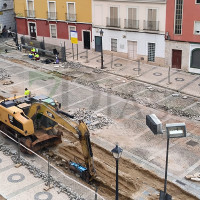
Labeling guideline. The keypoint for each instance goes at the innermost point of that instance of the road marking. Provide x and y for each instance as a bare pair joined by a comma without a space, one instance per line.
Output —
28,187
187,84
6,168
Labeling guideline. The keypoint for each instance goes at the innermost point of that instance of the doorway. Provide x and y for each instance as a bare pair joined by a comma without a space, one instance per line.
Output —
132,50
86,39
32,30
176,58
98,43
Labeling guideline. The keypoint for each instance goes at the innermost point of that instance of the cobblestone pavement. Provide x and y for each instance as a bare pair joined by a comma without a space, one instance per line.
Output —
88,87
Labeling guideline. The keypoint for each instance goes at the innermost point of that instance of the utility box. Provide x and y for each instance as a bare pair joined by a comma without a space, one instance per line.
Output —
154,124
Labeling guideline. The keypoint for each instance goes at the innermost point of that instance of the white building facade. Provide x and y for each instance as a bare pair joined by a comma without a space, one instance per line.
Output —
7,14
132,29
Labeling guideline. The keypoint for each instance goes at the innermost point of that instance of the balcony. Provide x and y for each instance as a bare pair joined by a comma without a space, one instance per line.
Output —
30,13
151,25
51,15
131,24
113,22
70,17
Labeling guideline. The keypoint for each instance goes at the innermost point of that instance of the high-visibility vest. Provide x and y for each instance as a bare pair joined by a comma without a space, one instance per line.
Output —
33,50
27,92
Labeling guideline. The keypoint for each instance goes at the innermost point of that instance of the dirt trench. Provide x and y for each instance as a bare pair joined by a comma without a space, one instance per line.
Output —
133,179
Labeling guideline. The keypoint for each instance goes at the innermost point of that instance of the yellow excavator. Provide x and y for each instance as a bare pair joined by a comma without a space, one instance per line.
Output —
34,121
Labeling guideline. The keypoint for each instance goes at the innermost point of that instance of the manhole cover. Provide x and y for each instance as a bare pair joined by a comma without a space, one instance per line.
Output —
16,177
136,69
157,74
117,64
43,196
99,60
83,56
179,79
192,143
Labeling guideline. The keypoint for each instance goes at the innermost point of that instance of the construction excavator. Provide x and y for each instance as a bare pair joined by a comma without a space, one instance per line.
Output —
34,121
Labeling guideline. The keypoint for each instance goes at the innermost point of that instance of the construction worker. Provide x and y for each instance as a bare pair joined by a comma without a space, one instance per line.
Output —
33,50
36,56
27,92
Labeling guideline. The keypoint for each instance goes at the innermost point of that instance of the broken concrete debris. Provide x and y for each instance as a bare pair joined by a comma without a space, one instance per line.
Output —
93,120
38,173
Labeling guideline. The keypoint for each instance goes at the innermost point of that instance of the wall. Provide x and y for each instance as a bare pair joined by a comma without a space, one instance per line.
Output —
41,9
184,46
191,13
101,11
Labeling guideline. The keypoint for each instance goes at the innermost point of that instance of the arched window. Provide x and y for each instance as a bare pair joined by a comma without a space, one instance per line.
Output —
195,59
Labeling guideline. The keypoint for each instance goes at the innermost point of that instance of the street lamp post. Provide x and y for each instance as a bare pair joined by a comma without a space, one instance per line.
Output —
117,152
175,130
101,34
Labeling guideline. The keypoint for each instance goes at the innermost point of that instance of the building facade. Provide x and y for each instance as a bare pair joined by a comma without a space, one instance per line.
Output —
53,20
183,35
131,28
7,14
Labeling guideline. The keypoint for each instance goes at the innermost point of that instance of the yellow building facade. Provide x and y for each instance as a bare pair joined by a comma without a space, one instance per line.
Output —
54,20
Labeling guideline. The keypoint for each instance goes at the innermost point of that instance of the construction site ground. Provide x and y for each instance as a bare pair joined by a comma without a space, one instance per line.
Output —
126,98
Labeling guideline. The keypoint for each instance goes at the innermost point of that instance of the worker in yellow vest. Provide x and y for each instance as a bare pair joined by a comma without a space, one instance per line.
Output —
36,56
27,92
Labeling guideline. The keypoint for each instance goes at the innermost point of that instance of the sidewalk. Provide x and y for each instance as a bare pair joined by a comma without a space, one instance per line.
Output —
178,80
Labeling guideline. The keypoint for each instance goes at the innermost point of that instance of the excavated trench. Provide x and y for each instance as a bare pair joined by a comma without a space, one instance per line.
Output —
133,179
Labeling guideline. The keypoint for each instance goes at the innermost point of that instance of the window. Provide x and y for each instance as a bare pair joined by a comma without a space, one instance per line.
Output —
132,16
197,28
53,31
113,44
30,8
14,122
151,23
71,11
114,21
151,52
178,17
197,1
52,10
71,28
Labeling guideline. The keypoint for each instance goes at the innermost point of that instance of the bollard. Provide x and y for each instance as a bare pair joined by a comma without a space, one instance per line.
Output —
18,151
87,56
138,68
169,82
111,60
48,176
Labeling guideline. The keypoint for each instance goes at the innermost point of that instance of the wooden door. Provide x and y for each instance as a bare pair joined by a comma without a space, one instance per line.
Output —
132,50
32,30
176,58
86,39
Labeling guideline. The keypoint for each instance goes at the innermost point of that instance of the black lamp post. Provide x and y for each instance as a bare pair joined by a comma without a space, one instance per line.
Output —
175,130
101,34
117,152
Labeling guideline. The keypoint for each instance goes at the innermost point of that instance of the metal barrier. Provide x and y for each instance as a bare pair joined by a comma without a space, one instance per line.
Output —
51,175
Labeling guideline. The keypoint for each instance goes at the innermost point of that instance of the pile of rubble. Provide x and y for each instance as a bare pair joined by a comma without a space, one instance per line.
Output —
40,174
3,74
93,120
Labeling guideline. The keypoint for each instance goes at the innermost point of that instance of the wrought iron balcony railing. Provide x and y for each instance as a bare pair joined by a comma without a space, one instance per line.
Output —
131,24
30,13
71,17
52,15
113,22
151,25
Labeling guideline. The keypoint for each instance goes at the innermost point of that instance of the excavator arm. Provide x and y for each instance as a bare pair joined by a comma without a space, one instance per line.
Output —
79,129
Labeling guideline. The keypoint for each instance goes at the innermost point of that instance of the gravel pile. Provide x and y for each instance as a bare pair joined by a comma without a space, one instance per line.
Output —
93,120
3,74
38,173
